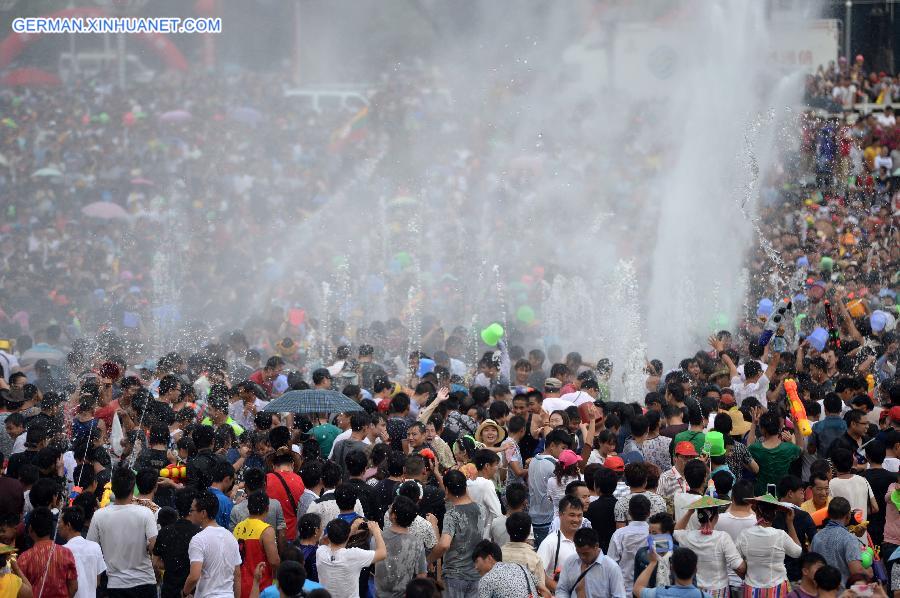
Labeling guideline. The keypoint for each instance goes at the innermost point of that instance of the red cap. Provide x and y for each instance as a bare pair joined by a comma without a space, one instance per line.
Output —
685,449
895,414
614,463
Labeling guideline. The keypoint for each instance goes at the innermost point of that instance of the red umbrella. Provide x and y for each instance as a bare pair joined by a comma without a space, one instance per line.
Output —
30,77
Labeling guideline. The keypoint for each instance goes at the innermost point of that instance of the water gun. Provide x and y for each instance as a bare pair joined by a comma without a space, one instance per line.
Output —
107,494
775,324
870,384
798,411
821,515
857,525
834,335
73,494
174,472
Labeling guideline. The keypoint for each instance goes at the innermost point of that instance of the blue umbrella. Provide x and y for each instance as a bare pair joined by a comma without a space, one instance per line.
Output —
313,401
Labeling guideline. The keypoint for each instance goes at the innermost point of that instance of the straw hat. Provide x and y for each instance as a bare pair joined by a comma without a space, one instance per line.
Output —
739,426
768,499
501,433
708,502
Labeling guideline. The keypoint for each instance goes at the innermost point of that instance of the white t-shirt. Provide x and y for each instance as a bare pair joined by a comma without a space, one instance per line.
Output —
19,444
763,548
885,161
682,500
733,526
482,492
339,569
89,563
547,551
855,489
123,533
219,552
757,389
717,556
891,464
886,121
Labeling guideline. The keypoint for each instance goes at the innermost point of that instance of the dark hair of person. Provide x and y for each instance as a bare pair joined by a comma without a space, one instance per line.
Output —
338,531
684,563
308,524
485,549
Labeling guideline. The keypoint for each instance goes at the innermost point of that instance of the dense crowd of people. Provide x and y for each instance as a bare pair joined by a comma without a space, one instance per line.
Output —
516,473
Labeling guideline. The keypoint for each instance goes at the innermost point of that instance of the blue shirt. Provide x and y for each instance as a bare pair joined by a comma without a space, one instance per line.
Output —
223,517
604,578
838,546
540,506
690,591
825,432
272,590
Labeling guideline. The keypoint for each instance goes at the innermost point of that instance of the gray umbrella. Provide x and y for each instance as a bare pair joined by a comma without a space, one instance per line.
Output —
313,401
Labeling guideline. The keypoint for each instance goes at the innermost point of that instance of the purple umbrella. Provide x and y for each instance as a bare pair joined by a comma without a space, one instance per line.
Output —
106,210
246,115
175,116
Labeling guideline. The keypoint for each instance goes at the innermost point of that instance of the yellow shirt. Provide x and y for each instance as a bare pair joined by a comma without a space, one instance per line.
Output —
524,554
810,508
9,585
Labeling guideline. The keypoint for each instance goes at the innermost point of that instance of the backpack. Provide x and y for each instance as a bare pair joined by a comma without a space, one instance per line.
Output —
362,537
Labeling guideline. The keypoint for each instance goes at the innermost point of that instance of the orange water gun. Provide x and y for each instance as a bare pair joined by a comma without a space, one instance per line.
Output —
173,472
798,411
870,385
856,519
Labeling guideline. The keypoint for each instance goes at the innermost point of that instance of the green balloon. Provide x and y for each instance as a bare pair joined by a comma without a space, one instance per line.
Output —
525,314
867,556
403,259
492,334
720,322
339,261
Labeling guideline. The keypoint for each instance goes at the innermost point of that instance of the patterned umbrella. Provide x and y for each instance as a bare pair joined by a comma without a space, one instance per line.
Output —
313,401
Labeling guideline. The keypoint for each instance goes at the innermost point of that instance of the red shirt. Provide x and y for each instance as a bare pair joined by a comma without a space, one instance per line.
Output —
275,489
107,413
33,564
257,377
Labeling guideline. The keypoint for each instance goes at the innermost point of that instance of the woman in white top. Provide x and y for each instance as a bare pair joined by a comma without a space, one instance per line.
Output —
764,547
566,471
716,552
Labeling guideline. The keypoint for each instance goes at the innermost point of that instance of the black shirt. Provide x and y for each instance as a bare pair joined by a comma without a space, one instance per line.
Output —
200,468
879,480
172,547
157,459
162,412
12,496
528,444
601,514
385,492
26,457
847,442
367,498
